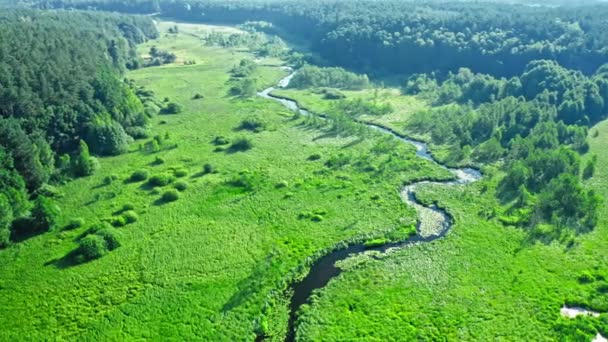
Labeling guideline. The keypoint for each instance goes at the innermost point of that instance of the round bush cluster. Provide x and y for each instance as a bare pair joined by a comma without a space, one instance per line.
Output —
180,185
160,180
139,176
170,195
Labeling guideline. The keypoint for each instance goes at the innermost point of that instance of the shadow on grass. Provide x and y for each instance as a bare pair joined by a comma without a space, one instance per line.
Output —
250,285
69,260
23,229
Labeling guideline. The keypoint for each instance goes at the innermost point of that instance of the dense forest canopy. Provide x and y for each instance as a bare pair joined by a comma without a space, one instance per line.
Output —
410,37
61,88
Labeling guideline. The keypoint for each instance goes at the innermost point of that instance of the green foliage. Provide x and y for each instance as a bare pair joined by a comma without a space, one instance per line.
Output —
180,173
245,87
241,145
181,185
589,169
6,219
312,76
130,216
110,237
107,137
208,169
44,214
76,223
160,180
253,123
139,176
84,164
245,68
92,247
172,108
220,141
171,195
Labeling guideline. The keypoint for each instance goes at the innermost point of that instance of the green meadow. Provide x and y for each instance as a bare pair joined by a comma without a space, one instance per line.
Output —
210,233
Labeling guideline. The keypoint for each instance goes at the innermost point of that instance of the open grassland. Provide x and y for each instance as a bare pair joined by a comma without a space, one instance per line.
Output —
201,267
483,282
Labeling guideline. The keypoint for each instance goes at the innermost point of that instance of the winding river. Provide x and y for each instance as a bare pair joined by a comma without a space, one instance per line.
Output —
434,223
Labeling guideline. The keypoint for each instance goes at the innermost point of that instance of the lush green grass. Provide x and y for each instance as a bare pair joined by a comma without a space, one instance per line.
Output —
201,267
483,282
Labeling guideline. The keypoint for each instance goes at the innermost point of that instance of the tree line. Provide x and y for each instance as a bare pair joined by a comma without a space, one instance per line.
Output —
535,126
408,37
62,97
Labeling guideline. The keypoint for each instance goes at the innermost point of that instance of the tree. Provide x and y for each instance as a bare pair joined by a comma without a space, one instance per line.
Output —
83,165
44,214
6,218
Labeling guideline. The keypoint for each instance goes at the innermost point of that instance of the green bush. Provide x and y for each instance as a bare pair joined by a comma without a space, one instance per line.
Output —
139,176
130,216
119,221
253,124
241,144
172,108
220,140
128,206
44,214
316,218
180,185
110,236
281,184
158,160
107,180
208,168
179,173
98,226
170,195
75,223
92,247
160,180
314,156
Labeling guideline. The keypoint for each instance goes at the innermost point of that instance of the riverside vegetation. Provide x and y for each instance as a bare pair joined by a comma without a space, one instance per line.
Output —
197,227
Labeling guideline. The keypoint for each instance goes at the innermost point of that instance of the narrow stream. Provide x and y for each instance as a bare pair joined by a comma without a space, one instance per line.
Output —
434,223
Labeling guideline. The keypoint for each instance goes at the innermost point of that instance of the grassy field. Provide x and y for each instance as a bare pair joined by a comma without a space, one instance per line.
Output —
202,267
483,282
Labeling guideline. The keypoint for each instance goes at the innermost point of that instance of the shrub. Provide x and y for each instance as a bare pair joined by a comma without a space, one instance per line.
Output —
281,184
333,94
241,144
75,223
253,124
98,226
110,237
130,216
160,180
119,221
92,247
139,176
138,132
208,168
158,160
83,164
316,218
180,185
107,137
314,156
198,97
128,206
107,180
220,140
44,214
179,173
170,195
172,108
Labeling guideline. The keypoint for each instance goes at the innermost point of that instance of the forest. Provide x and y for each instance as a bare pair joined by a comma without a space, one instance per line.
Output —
406,37
285,170
63,95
